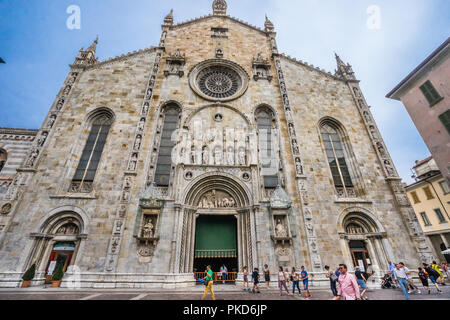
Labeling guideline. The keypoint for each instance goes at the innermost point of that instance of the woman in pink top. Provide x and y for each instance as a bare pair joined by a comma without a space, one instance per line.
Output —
348,287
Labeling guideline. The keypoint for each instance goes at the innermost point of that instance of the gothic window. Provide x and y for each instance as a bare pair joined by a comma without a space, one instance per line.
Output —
164,164
90,158
336,155
3,158
267,154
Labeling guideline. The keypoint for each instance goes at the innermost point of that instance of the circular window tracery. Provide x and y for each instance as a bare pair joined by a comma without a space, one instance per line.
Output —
218,80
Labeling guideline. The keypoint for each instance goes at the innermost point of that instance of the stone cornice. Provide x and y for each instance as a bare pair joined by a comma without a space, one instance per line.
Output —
121,58
311,67
185,23
20,132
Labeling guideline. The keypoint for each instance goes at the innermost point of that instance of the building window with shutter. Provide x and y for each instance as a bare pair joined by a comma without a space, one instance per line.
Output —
445,119
430,93
428,193
415,197
440,216
444,187
426,222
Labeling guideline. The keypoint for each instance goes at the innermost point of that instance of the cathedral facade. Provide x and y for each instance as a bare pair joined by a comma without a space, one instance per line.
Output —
210,148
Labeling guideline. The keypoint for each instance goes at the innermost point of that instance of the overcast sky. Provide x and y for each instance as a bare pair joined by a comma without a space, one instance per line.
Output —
38,47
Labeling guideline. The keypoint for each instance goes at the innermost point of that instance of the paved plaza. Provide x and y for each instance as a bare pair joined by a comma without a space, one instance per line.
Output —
227,293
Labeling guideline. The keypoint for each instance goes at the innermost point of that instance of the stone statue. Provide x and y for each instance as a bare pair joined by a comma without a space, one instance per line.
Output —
148,229
242,156
218,156
145,108
133,162
281,230
389,168
137,143
41,140
141,124
298,166
205,156
51,121
33,156
230,156
60,104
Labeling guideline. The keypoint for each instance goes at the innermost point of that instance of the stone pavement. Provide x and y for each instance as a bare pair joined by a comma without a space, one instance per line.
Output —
222,293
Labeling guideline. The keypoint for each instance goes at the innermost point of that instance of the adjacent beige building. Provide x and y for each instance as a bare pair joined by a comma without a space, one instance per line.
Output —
430,198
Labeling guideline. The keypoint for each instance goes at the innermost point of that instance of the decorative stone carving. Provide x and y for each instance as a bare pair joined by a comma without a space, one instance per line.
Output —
261,68
51,121
6,208
219,32
68,229
280,230
133,162
32,158
389,168
280,199
175,64
220,7
298,166
216,199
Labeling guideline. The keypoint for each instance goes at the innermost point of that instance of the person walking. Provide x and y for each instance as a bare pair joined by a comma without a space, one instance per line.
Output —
445,270
401,276
410,281
282,281
361,280
348,287
333,280
224,272
246,279
295,281
441,277
433,276
423,276
255,277
267,275
391,268
209,283
305,279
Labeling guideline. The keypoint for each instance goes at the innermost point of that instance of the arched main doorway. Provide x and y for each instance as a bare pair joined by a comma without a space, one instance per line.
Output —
218,225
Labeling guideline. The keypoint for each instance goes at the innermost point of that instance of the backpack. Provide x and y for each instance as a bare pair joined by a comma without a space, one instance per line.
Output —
334,277
433,273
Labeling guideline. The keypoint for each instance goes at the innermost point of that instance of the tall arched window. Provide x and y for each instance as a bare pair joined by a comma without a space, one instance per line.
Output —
267,155
171,117
90,158
335,152
3,158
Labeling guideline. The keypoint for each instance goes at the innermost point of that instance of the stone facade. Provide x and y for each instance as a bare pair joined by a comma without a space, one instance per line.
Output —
129,231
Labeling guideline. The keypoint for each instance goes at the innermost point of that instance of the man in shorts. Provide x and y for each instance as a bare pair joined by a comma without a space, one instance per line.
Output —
361,282
305,279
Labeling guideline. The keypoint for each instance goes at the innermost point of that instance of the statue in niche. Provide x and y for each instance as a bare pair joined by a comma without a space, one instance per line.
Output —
389,168
242,156
381,149
291,130
298,166
51,121
133,162
145,108
281,230
147,231
218,155
67,90
60,104
137,143
230,156
127,183
373,132
41,140
205,155
367,117
141,124
149,94
33,156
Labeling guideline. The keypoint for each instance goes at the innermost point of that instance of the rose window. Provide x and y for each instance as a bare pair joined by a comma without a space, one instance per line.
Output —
218,80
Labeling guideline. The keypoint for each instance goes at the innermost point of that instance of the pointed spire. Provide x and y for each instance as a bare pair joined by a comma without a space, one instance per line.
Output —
268,25
93,46
344,71
220,7
168,20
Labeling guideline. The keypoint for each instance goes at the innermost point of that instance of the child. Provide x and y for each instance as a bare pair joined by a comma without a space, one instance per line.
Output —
305,279
255,277
267,275
246,279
